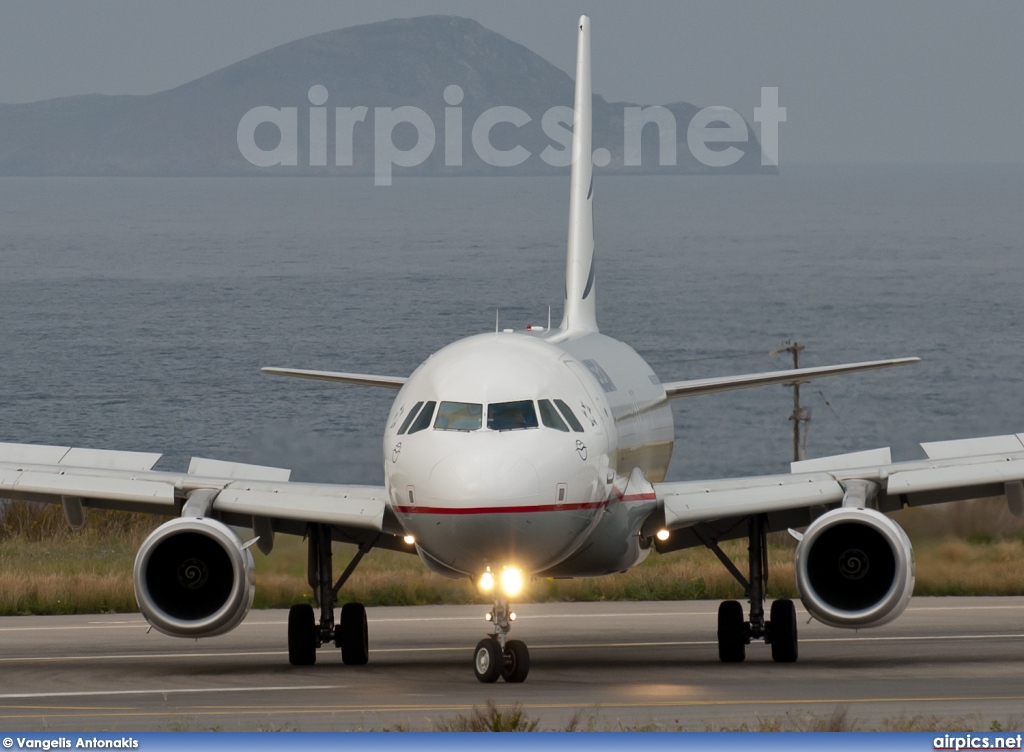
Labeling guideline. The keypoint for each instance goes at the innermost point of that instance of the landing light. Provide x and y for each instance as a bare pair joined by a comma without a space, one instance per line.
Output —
511,582
486,582
409,540
662,535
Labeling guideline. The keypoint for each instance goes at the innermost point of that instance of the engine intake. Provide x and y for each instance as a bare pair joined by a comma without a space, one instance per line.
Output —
193,578
855,568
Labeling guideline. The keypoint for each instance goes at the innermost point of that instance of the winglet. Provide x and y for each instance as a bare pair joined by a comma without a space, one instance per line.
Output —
580,311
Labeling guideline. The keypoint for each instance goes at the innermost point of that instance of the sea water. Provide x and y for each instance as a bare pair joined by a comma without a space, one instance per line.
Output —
136,313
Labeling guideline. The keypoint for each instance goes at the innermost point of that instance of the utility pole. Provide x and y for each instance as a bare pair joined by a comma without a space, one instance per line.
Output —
799,414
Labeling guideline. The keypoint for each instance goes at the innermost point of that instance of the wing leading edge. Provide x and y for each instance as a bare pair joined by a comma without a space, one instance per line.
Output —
954,471
362,379
695,387
246,495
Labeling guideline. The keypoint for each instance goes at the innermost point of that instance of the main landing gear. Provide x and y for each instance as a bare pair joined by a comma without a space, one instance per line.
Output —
734,634
496,655
350,633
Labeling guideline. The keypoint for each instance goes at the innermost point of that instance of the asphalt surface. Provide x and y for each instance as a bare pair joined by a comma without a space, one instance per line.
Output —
606,665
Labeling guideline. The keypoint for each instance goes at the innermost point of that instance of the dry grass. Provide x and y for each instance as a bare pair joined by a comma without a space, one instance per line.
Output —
982,520
957,567
390,578
384,578
491,717
47,568
837,721
21,521
934,723
66,593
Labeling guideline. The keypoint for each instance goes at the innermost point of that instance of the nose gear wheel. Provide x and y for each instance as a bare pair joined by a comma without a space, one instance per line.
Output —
496,655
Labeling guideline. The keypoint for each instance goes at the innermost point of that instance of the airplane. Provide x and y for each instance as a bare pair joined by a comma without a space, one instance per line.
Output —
513,455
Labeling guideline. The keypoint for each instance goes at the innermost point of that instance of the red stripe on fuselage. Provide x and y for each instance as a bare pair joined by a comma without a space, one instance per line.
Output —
634,497
639,497
501,510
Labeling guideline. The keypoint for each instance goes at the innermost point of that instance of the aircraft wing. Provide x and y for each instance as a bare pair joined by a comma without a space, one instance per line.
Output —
245,495
692,388
362,379
954,471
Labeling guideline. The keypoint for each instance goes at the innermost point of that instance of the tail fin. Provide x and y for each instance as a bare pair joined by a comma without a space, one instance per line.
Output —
580,311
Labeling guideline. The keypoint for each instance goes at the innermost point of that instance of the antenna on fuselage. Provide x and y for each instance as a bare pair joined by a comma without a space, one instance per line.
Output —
496,312
549,319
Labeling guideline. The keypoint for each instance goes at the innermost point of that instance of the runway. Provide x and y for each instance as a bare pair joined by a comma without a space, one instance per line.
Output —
609,665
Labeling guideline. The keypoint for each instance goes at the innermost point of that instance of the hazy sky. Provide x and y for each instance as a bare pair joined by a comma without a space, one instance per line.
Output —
863,82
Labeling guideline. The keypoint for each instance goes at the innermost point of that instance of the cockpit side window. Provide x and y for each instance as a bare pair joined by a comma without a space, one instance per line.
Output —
423,421
510,416
459,416
408,418
550,417
567,412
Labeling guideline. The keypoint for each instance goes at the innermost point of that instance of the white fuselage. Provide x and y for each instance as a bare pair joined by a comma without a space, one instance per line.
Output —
499,475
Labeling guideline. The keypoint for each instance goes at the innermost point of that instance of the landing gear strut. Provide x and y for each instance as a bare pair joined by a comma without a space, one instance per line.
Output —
734,634
350,634
496,655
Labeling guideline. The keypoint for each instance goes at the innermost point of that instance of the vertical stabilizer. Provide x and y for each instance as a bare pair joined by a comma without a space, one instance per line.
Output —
580,312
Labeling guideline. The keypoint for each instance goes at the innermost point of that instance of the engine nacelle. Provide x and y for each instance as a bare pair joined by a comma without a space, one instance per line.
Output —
855,568
193,578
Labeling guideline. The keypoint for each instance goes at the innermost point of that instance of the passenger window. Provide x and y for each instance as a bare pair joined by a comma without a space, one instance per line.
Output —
569,416
408,418
423,421
509,416
459,416
550,417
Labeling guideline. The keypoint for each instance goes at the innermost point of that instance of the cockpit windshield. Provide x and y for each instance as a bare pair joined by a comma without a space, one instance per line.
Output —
422,421
458,416
501,416
408,418
510,416
550,417
569,416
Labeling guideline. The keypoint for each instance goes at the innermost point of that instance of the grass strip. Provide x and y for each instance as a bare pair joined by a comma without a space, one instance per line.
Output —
47,569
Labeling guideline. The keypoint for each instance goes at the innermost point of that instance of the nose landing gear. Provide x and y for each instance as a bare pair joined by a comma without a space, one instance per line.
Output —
496,655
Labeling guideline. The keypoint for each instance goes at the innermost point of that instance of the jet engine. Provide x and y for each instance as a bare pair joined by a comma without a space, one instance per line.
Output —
194,578
855,568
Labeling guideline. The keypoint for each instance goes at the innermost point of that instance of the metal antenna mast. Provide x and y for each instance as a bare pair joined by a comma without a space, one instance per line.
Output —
800,414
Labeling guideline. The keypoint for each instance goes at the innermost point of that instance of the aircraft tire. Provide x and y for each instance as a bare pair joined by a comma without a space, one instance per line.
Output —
487,660
731,638
783,631
301,635
353,636
516,663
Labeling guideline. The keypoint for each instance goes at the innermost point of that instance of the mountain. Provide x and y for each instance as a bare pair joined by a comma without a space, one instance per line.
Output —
194,129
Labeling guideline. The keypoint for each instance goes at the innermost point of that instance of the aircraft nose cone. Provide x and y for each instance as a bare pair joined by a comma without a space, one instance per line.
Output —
484,477
486,506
